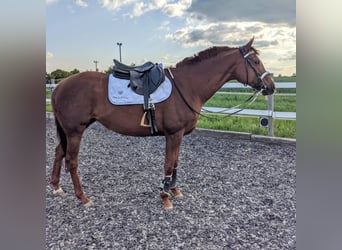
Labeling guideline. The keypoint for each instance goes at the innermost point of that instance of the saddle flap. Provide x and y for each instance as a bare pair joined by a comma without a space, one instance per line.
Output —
118,73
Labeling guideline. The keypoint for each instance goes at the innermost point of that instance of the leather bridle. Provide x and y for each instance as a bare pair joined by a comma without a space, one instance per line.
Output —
260,84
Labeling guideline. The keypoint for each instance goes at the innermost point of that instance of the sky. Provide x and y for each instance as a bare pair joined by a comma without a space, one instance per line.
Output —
79,32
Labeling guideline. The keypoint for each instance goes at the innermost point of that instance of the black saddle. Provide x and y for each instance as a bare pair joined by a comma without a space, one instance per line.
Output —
144,80
140,68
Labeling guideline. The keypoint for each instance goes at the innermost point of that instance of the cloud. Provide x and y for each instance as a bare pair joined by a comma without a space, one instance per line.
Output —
170,8
275,11
276,42
49,55
115,4
288,57
176,9
81,3
221,33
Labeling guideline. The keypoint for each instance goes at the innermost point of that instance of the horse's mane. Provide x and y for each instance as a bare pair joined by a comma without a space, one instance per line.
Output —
206,54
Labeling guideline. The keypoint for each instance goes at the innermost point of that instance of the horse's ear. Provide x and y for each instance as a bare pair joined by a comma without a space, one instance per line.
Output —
249,44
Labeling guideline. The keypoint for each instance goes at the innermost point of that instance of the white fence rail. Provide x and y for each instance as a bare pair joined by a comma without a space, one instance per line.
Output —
270,114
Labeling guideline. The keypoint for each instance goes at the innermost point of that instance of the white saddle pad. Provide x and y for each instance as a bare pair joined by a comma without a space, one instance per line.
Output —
120,94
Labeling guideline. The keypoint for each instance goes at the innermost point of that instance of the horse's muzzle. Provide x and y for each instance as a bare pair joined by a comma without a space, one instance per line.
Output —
267,90
267,85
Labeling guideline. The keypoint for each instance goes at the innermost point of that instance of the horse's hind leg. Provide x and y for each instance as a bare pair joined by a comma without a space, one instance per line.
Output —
71,160
56,171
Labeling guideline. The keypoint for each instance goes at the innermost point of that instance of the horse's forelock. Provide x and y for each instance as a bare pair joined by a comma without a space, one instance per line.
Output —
255,50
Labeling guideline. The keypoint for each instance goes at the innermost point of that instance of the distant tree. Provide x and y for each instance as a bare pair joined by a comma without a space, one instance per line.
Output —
74,71
47,76
109,70
59,74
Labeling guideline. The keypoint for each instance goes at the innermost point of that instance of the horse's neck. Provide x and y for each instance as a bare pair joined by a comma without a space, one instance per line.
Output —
207,77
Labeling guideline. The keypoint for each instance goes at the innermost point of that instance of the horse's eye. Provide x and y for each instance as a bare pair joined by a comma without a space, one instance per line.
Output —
256,61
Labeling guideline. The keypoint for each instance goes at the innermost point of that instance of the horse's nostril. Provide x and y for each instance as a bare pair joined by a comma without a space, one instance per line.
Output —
268,90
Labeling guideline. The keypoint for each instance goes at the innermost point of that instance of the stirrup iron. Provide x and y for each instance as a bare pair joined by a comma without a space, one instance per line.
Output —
142,122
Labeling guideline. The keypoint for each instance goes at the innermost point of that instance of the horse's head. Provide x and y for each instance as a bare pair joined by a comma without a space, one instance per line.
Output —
253,72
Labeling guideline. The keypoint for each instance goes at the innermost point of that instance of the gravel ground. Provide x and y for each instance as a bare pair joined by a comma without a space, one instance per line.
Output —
237,195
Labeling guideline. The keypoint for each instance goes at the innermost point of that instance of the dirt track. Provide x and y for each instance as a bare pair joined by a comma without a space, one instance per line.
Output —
237,195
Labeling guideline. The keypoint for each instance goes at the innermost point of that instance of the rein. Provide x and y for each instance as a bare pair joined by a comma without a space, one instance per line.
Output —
249,101
181,94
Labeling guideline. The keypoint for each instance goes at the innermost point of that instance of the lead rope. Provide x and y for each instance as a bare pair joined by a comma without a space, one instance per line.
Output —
249,101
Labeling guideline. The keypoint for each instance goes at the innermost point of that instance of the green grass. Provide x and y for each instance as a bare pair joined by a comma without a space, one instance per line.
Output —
282,128
48,108
281,79
281,103
285,79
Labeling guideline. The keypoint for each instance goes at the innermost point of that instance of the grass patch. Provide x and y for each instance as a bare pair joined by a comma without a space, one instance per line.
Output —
281,103
282,128
48,107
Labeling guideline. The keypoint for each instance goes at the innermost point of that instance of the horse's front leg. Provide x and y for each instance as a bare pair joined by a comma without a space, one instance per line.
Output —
174,189
173,143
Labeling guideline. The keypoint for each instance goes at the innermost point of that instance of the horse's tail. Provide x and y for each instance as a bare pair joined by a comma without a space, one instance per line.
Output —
61,135
60,131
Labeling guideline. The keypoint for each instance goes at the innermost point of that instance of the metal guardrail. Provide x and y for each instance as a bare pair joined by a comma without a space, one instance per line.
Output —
270,114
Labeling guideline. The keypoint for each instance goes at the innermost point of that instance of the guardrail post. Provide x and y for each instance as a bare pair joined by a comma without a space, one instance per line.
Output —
270,118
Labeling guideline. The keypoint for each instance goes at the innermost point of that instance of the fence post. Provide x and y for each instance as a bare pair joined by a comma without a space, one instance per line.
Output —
52,85
270,119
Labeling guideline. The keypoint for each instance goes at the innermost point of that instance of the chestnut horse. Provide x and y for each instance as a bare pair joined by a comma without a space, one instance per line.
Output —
81,99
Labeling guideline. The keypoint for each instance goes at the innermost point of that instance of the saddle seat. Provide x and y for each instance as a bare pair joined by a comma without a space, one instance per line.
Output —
140,68
144,79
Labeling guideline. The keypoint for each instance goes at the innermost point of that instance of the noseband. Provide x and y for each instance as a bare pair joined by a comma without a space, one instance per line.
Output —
260,84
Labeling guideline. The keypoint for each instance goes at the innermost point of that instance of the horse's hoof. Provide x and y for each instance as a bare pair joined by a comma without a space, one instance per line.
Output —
167,204
89,203
58,191
176,193
178,196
